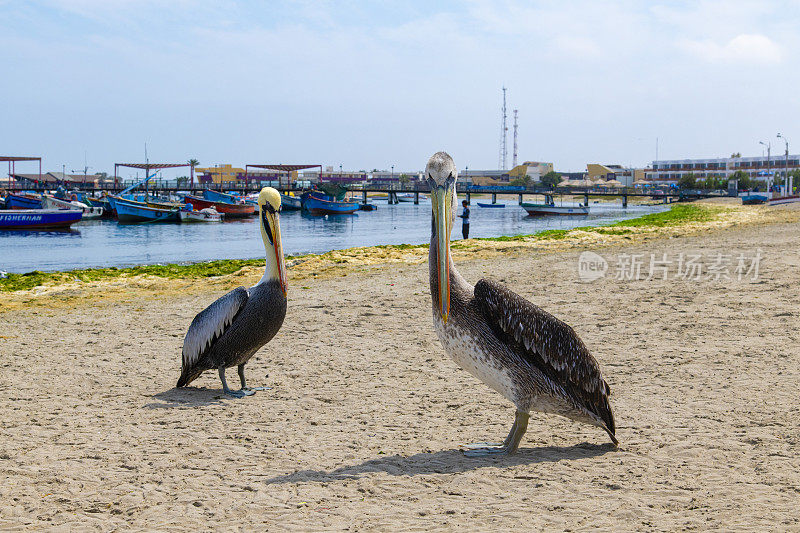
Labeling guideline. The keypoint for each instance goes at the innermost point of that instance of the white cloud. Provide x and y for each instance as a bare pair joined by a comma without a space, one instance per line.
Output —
744,48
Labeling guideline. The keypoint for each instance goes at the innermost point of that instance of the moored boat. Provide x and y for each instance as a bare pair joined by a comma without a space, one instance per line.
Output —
217,196
23,201
784,200
33,219
131,211
291,203
483,204
229,210
209,214
51,202
547,209
320,204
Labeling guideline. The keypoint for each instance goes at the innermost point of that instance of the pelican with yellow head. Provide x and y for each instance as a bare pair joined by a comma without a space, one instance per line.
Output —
232,329
530,357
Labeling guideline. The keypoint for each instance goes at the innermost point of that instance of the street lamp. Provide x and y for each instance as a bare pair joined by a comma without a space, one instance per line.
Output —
786,175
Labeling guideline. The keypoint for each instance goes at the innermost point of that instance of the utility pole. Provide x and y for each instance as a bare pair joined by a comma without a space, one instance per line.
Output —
515,139
503,162
786,175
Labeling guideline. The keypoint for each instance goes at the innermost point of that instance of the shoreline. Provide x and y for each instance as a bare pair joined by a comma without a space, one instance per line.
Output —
680,219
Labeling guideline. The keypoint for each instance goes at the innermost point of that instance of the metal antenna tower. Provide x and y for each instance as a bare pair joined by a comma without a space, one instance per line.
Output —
515,139
503,162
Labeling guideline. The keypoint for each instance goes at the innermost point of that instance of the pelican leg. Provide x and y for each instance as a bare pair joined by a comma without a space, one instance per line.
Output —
244,384
229,392
509,446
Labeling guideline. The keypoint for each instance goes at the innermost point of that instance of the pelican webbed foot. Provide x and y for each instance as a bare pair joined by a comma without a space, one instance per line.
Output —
233,393
244,382
508,447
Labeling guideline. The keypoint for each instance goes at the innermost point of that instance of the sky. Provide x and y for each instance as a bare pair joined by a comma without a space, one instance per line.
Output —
374,84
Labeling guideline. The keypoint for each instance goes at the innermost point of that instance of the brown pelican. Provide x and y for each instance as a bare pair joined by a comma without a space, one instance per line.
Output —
229,331
530,357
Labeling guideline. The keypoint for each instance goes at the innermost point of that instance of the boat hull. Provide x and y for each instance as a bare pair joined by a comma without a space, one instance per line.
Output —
318,206
216,196
229,210
16,201
135,212
24,219
199,216
50,202
544,210
291,203
481,204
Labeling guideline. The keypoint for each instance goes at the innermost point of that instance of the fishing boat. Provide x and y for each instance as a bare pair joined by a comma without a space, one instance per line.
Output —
550,208
89,213
23,201
229,210
209,214
483,204
131,211
34,219
754,198
216,196
317,203
291,203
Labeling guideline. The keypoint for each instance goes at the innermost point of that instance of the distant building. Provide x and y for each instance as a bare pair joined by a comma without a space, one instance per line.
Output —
227,173
535,169
54,179
672,170
387,177
626,176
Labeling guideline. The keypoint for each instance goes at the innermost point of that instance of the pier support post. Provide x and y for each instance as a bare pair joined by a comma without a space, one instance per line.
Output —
586,198
364,197
520,198
494,197
666,198
469,199
416,198
624,200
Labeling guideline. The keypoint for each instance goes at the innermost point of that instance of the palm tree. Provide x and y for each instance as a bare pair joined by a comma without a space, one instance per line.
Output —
192,163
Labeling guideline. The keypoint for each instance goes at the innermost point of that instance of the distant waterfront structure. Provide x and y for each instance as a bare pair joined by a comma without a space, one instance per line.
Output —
625,175
54,179
760,167
226,173
534,169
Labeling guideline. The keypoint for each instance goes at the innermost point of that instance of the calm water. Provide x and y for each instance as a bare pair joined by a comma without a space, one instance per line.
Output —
107,243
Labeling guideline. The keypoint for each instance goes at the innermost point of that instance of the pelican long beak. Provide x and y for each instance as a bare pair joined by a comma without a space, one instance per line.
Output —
271,227
442,201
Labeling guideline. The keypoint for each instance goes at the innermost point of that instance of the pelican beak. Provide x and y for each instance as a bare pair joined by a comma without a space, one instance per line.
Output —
272,229
442,201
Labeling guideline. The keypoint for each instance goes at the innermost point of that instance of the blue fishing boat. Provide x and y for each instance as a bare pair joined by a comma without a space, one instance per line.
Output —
216,196
317,203
33,219
131,211
482,204
19,201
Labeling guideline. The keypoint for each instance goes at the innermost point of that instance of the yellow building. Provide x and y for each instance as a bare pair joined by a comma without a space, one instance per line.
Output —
221,173
534,169
626,176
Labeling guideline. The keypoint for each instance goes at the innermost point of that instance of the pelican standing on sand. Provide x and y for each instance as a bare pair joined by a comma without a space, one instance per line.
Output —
530,357
229,331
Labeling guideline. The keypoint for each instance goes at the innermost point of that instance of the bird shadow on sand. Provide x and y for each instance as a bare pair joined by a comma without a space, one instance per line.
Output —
446,462
186,397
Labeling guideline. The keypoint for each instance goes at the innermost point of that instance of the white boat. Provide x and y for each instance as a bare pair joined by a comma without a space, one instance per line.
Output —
209,214
549,207
409,197
89,213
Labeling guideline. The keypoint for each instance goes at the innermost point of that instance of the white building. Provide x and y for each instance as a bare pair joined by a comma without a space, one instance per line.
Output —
672,170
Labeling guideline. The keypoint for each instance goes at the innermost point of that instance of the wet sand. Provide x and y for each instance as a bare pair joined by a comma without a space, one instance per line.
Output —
362,426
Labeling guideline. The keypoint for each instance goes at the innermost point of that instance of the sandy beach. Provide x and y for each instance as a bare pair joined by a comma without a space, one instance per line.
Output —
362,426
